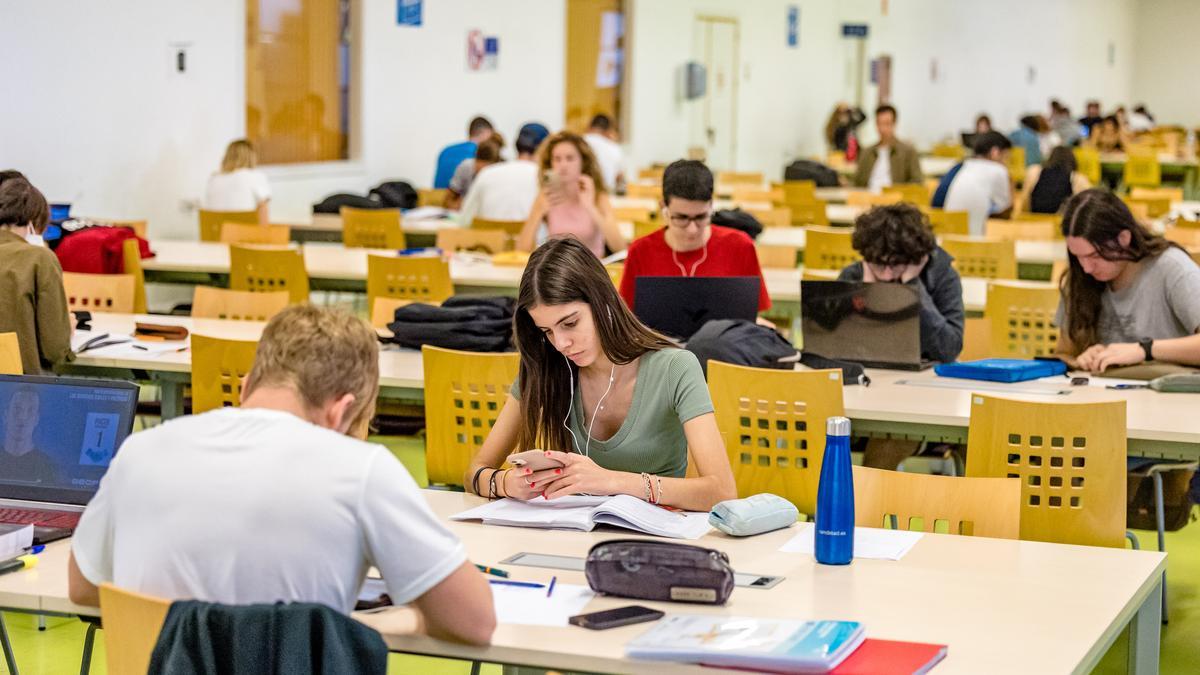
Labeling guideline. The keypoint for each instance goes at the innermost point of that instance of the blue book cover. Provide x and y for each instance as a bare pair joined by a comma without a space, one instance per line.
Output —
1002,370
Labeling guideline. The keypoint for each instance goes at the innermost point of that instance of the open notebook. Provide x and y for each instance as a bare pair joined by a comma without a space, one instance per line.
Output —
584,513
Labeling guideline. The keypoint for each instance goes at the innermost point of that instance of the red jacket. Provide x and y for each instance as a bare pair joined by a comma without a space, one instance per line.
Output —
97,250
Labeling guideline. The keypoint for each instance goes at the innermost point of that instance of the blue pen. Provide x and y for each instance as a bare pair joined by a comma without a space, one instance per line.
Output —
522,584
36,549
551,589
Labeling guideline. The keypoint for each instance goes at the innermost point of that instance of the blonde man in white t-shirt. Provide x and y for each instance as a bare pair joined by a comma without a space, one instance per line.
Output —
280,499
239,186
982,186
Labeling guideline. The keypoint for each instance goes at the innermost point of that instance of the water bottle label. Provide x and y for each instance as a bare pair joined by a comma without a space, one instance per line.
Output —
832,533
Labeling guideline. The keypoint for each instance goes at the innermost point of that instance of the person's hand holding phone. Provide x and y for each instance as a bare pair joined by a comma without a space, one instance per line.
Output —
532,471
587,190
554,188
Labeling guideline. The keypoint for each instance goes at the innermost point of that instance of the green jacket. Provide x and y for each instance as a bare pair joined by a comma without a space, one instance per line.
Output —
906,166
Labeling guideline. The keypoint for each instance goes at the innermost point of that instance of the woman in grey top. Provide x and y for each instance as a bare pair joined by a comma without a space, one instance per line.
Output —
616,403
1129,295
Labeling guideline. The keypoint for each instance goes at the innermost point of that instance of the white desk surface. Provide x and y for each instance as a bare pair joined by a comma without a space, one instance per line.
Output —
1001,606
1035,252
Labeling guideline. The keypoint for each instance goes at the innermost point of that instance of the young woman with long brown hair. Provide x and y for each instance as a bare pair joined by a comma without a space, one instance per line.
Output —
618,404
1129,295
573,198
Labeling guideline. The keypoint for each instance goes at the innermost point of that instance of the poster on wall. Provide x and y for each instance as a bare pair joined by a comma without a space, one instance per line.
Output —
483,51
793,26
408,12
608,64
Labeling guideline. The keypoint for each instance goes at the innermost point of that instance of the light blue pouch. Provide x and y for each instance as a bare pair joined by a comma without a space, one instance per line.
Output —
753,515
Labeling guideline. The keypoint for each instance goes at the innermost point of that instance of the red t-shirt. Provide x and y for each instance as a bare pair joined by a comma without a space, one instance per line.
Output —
730,254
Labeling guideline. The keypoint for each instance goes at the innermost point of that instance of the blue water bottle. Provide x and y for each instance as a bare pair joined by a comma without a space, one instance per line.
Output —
835,497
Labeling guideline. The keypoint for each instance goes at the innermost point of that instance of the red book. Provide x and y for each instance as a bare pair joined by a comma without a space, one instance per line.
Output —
888,657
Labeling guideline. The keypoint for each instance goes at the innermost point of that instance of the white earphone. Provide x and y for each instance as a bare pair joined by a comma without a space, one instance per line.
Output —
612,375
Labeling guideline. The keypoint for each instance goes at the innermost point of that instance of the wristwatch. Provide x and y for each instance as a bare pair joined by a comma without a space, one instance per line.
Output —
1148,347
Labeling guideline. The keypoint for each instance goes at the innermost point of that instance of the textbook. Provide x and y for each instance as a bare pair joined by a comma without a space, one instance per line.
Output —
1002,370
576,512
15,540
889,657
775,645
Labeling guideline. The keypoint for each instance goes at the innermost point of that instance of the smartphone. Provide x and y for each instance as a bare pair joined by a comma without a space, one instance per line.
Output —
612,618
534,459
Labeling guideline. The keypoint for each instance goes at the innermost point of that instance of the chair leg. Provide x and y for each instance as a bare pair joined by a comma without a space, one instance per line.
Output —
85,665
41,622
10,659
1133,540
1160,520
475,667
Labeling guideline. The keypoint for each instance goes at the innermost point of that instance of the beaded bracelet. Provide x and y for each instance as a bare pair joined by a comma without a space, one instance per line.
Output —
646,485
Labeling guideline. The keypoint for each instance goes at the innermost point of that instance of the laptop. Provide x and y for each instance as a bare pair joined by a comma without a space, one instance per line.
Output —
57,438
679,306
877,325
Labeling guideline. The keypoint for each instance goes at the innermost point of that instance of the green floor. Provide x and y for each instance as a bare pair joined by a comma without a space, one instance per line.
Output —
58,649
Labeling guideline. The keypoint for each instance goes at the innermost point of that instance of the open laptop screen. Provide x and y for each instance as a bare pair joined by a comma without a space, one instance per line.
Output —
679,306
58,435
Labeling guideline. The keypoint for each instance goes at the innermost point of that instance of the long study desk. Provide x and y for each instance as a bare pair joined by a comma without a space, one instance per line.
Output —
916,405
1001,606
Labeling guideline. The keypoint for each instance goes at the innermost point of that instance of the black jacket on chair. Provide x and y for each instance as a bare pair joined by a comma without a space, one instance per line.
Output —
204,638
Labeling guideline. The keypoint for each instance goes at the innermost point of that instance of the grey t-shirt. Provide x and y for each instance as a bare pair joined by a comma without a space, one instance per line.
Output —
1163,302
463,176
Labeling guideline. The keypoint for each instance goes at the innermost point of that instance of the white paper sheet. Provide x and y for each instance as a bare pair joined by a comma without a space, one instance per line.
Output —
531,607
869,542
140,349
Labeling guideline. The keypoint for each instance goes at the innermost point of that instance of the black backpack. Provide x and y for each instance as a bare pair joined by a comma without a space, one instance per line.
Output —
395,194
741,342
468,323
806,169
738,220
334,203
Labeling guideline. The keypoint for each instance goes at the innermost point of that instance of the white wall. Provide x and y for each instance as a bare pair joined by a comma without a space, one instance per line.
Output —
103,122
1165,76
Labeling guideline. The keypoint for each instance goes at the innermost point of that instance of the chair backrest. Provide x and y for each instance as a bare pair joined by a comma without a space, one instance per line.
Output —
510,227
132,622
1021,315
452,239
1170,194
1087,162
755,194
1142,170
1069,457
981,507
1155,207
131,261
986,258
371,228
773,423
868,199
1016,163
432,196
797,191
949,222
777,256
464,392
99,292
1039,229
209,302
263,269
828,248
949,151
1184,235
914,193
420,278
139,227
632,214
778,216
1059,267
740,177
653,173
10,355
809,213
211,222
615,272
243,233
642,228
218,366
643,191
383,310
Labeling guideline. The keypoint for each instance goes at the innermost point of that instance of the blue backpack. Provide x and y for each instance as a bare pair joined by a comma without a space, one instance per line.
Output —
939,195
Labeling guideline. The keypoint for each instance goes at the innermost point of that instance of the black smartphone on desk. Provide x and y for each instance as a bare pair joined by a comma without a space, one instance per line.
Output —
613,618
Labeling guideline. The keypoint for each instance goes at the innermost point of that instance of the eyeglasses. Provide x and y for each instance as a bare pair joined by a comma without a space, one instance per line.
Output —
682,220
887,271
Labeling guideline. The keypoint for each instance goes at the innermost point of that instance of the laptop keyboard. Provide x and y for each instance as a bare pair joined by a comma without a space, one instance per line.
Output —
64,519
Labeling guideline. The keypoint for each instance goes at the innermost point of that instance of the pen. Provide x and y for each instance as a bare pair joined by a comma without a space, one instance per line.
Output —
1126,386
145,349
496,582
492,571
18,563
551,589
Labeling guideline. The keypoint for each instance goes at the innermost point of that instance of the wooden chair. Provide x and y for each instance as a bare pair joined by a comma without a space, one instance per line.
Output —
432,196
414,278
643,191
1016,164
632,214
867,200
828,248
615,272
131,264
1142,170
949,151
809,213
1172,195
132,622
1021,315
797,191
211,222
1087,162
642,228
451,239
139,227
510,227
1058,269
810,274
1186,236
265,270
773,423
1069,457
372,228
383,311
988,259
755,194
1154,207
242,233
777,256
740,178
1022,230
209,302
219,367
949,222
99,292
464,392
10,355
779,216
913,193
977,339
981,507
654,173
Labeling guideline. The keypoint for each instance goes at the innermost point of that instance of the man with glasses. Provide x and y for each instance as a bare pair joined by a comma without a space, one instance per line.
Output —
690,245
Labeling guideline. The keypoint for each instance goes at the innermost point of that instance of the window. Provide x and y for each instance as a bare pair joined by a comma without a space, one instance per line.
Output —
298,80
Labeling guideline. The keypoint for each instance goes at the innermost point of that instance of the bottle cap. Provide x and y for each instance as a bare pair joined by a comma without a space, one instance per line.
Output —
837,426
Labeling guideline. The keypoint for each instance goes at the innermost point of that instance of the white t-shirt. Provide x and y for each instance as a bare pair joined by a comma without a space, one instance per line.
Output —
504,191
608,155
881,172
243,506
240,190
980,188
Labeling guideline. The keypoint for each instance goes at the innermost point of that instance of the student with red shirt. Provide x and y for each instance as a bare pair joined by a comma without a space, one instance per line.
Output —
690,245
